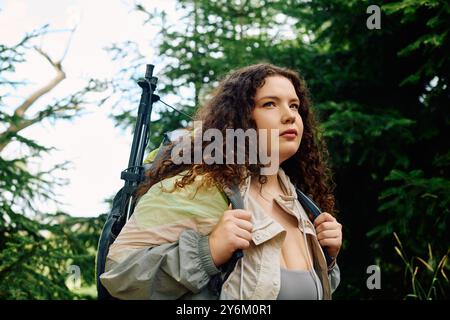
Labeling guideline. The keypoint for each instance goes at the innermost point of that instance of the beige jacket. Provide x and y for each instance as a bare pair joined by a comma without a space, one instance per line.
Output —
162,252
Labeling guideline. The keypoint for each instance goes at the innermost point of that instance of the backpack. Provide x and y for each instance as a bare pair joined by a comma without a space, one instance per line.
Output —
117,218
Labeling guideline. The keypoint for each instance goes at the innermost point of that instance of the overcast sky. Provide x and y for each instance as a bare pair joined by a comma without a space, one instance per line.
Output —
98,151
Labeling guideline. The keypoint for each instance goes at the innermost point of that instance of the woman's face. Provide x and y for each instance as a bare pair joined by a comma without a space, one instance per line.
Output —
277,108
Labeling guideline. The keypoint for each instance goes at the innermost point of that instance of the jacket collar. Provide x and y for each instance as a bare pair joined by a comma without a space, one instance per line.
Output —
286,201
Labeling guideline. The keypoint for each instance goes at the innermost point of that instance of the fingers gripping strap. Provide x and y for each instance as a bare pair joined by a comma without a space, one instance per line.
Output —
313,209
216,282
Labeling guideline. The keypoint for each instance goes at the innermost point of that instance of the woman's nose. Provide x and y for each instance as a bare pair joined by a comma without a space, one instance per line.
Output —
288,115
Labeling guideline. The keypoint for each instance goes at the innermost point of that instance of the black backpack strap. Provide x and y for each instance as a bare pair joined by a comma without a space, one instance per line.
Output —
102,252
307,203
315,211
108,235
235,198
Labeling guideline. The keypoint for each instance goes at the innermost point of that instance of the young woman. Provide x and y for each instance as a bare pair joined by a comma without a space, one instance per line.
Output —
183,228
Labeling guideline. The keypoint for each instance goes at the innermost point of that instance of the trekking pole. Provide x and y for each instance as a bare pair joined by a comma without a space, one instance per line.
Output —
123,202
134,174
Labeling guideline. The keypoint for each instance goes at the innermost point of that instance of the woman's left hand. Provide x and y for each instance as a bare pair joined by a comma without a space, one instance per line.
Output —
329,233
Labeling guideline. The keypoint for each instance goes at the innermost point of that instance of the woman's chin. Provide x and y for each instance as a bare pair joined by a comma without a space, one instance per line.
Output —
289,147
286,153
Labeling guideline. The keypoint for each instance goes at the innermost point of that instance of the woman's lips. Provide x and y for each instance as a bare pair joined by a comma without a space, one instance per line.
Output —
290,134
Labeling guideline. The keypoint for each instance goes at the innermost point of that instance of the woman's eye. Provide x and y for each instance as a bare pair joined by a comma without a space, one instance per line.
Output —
271,103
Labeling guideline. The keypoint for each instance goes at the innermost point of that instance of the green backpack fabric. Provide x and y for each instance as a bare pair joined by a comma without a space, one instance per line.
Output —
115,222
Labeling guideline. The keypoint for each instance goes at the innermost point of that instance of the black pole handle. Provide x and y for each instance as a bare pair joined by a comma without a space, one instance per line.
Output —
134,174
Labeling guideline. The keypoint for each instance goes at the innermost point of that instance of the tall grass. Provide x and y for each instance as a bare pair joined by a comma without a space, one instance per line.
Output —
428,278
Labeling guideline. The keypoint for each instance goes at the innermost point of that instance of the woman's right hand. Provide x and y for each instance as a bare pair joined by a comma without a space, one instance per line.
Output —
232,232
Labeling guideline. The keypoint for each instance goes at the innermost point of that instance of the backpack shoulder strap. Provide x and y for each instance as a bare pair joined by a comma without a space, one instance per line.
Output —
313,209
307,203
235,198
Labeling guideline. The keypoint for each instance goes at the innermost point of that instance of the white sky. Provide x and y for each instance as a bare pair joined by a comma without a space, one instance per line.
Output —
98,151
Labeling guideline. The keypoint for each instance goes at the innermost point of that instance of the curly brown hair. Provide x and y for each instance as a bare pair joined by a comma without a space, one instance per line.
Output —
230,107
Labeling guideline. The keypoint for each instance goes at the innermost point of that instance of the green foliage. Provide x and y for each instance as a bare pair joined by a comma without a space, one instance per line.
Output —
38,249
415,202
359,137
217,36
36,255
432,44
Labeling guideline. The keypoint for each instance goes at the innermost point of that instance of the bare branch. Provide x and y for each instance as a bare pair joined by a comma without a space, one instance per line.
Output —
72,32
20,111
47,57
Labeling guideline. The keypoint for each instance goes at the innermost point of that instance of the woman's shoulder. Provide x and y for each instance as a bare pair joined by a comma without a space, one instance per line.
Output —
194,199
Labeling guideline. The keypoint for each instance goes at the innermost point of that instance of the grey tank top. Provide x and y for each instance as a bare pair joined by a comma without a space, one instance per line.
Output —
298,285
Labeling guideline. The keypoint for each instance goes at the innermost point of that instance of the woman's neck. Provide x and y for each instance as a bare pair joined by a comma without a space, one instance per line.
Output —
272,184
